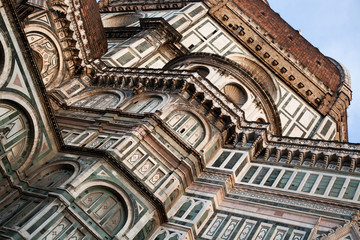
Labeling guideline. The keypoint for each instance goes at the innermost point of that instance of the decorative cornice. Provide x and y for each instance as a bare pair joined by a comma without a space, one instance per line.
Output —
242,74
122,32
322,205
179,81
137,5
161,26
33,70
107,156
281,61
73,30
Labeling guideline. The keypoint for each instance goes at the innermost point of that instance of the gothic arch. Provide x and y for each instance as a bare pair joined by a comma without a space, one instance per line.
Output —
28,122
141,103
51,54
115,95
119,192
241,74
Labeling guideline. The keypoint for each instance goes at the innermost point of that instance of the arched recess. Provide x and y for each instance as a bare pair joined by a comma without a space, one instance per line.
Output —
189,209
165,234
98,99
236,93
187,126
114,190
57,174
47,54
241,74
263,77
146,103
105,207
169,117
18,102
17,133
5,58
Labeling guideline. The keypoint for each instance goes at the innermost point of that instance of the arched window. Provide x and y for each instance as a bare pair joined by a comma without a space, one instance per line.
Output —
236,93
174,195
53,177
15,134
144,105
194,211
183,209
167,235
98,101
105,208
187,126
174,237
161,236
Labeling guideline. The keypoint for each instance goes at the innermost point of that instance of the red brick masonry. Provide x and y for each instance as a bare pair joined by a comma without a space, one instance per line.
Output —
94,28
290,39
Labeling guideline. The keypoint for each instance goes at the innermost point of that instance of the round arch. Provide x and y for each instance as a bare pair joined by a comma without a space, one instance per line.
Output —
241,74
30,114
236,93
5,58
38,29
261,74
56,165
162,98
97,92
185,108
117,190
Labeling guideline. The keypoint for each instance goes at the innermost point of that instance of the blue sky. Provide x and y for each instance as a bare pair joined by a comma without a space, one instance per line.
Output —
333,26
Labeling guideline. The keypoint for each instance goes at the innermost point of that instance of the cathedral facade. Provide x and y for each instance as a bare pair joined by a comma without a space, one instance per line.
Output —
171,120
